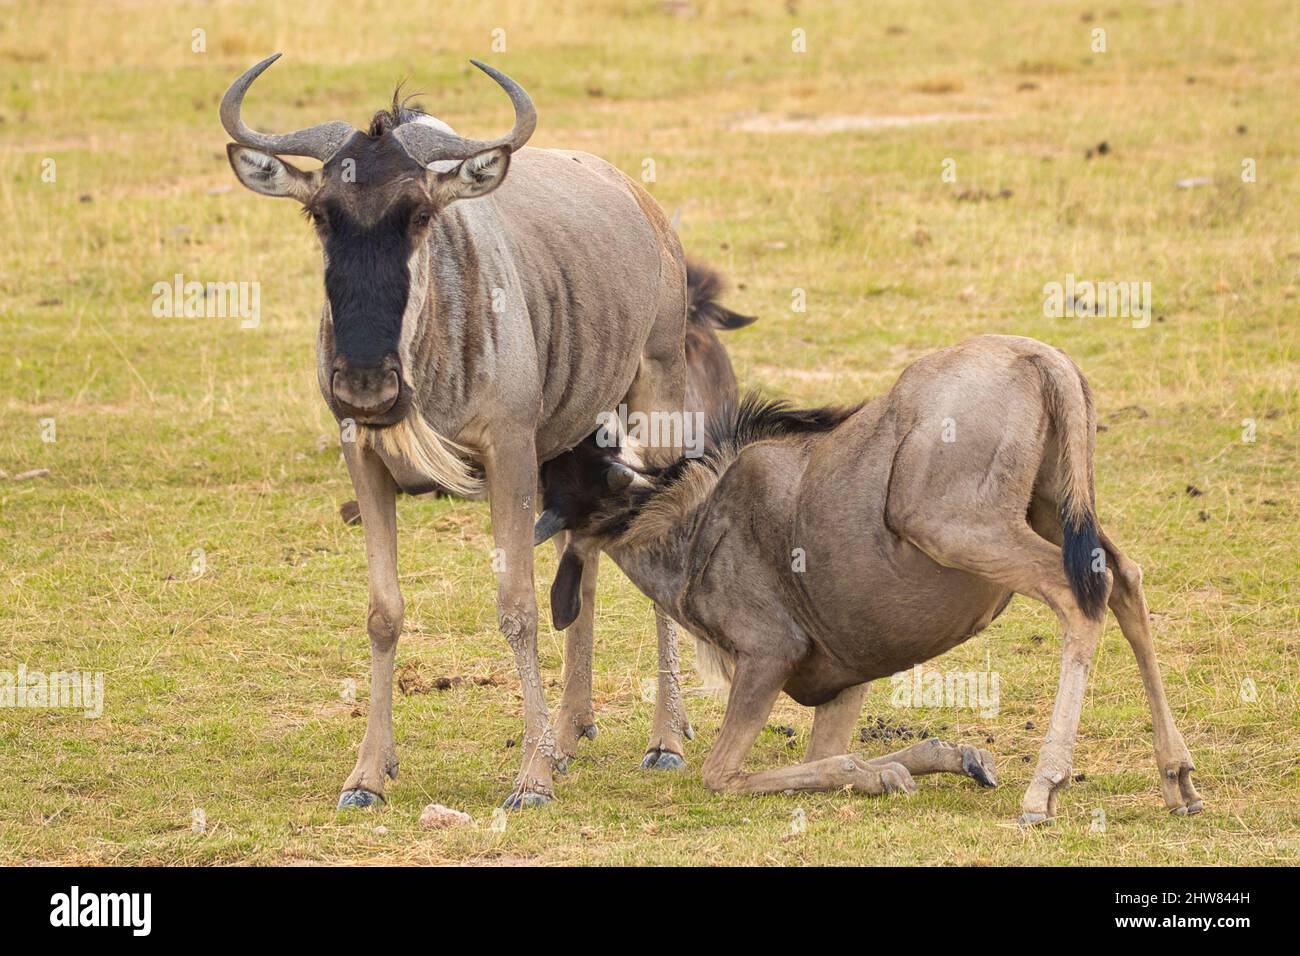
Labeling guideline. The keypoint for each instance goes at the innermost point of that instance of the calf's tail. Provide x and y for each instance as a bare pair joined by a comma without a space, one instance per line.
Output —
1074,422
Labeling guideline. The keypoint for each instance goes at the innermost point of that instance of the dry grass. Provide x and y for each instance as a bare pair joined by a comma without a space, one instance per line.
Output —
176,435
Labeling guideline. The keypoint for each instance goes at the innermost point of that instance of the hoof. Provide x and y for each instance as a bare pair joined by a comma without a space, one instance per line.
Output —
358,798
526,800
662,760
1033,818
590,731
978,765
895,778
1194,807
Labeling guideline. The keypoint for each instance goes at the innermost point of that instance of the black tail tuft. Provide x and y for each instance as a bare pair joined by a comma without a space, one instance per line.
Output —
1080,551
703,287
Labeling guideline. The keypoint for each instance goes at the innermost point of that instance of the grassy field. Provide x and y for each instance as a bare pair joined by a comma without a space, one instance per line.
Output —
186,542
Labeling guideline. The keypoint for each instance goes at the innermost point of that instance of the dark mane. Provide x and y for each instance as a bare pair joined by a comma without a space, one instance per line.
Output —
757,418
754,419
401,111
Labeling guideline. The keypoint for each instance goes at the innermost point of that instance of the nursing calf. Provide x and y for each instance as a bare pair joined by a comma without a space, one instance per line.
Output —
818,550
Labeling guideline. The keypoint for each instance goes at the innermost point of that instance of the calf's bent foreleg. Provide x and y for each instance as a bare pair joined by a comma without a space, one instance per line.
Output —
754,689
833,723
935,756
376,498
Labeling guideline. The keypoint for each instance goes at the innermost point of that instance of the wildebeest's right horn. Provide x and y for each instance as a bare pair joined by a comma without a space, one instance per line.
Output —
426,143
319,142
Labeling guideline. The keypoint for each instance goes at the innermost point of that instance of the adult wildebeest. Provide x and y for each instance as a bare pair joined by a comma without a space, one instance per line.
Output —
471,319
710,390
818,550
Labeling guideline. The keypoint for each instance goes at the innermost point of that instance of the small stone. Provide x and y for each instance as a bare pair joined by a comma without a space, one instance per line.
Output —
438,817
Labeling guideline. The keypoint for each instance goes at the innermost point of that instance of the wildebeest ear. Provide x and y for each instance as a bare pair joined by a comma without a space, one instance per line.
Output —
566,591
269,175
476,176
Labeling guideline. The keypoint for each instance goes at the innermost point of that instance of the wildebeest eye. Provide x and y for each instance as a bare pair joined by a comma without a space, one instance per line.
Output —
421,218
317,217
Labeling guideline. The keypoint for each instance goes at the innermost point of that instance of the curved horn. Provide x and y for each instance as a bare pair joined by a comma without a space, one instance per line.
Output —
549,524
319,142
427,144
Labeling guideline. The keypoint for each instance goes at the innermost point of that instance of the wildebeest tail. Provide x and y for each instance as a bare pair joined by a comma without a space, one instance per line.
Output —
1074,424
703,288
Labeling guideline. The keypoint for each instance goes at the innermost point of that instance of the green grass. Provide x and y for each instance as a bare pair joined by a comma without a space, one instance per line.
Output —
174,435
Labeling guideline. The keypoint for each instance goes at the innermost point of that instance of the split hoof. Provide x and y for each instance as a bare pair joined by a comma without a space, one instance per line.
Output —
1032,818
1196,806
656,759
978,765
526,800
359,799
590,732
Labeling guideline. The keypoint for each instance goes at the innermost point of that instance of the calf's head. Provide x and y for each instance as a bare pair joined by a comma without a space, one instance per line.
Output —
587,491
373,204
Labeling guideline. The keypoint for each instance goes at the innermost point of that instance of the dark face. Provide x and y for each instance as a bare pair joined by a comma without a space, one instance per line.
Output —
372,212
581,485
373,206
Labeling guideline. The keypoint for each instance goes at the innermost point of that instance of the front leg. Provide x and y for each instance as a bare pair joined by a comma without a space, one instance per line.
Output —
376,498
665,750
511,466
575,719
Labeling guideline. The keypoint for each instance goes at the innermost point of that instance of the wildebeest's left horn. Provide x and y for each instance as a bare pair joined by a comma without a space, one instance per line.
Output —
549,524
426,143
319,142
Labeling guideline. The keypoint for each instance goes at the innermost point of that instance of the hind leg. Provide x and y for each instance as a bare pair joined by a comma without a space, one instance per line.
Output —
1129,603
1013,556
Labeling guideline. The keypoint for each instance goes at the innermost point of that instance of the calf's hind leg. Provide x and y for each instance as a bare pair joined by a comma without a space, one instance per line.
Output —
754,689
1013,556
1172,757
